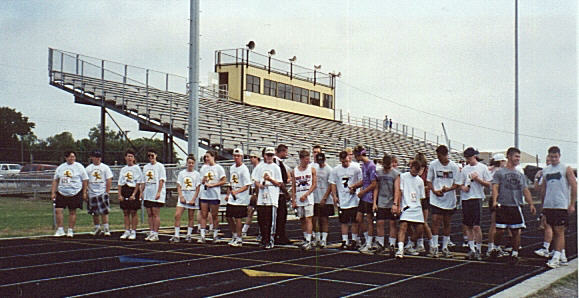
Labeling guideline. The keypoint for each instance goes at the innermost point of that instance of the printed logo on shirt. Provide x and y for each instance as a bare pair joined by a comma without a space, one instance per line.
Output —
97,175
513,181
444,174
553,176
234,178
302,182
188,183
345,180
129,176
67,174
210,175
150,176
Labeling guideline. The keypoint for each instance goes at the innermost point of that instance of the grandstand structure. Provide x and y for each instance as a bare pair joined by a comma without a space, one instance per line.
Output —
159,103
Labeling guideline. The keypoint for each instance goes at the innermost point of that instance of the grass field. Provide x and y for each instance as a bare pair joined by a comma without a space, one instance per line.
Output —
565,287
28,217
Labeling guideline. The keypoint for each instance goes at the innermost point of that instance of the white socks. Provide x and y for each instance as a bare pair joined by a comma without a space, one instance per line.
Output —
324,236
392,241
380,240
445,240
471,245
189,230
245,228
434,241
345,238
308,237
177,231
203,233
546,245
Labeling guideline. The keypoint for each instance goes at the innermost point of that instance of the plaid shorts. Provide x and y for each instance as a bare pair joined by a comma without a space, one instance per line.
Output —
99,205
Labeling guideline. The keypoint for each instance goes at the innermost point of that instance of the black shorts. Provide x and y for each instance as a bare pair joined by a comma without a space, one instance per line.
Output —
440,211
126,204
99,205
323,211
152,204
425,203
471,212
348,215
235,211
509,217
73,202
365,207
210,202
385,214
556,217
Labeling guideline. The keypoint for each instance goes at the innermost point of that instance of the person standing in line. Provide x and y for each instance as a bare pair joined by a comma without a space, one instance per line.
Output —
559,194
548,230
213,177
367,186
100,179
255,160
509,188
498,161
130,186
304,184
237,197
188,188
323,208
382,206
281,153
153,194
69,188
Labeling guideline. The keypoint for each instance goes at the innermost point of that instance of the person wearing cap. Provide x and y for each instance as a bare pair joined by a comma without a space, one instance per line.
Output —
473,178
366,193
323,208
154,193
281,153
509,188
100,179
237,197
268,180
304,184
130,187
497,161
69,188
213,177
188,189
441,179
255,160
559,194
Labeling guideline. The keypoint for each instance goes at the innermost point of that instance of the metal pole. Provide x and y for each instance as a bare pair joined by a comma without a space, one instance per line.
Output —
103,109
516,73
193,117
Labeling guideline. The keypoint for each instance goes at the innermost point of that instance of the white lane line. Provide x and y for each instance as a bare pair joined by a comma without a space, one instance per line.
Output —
342,281
512,282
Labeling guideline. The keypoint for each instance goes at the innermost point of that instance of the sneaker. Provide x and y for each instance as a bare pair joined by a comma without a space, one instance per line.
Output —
133,235
433,252
231,241
154,238
95,232
344,245
365,249
125,235
477,256
563,261
322,244
411,251
201,240
188,238
392,251
399,254
216,239
446,253
307,245
314,242
149,236
107,233
542,252
268,246
420,248
379,249
174,239
451,244
69,233
244,234
553,263
353,245
469,255
464,244
408,245
59,233
237,243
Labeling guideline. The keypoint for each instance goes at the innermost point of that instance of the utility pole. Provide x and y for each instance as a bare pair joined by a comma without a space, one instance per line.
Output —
193,117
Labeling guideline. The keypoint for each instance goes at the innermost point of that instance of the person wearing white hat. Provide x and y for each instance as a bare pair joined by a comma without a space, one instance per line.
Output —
497,161
237,197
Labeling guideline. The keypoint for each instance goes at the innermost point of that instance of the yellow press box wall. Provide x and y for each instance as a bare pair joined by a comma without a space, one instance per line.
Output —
267,101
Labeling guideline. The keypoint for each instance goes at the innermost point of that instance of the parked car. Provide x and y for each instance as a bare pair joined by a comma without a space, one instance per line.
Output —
9,169
37,167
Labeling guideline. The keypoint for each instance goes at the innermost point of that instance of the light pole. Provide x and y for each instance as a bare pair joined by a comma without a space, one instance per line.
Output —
516,73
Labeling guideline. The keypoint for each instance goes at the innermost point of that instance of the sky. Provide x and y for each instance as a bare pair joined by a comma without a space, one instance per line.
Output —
422,63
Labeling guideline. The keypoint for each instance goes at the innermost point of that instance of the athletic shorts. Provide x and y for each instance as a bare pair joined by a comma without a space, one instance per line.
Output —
305,211
236,211
556,217
99,205
509,217
73,202
440,211
385,214
323,211
471,212
348,215
365,207
126,204
425,203
210,202
153,204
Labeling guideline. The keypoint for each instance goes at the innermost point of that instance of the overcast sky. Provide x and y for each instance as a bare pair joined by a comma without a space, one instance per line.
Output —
420,62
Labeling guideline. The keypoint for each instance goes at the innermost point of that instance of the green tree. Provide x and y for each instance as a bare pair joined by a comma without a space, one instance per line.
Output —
13,128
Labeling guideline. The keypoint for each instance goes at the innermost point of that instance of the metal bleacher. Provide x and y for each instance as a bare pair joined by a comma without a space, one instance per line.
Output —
158,102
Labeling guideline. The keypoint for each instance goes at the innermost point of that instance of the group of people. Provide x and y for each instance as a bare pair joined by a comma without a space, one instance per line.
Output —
367,198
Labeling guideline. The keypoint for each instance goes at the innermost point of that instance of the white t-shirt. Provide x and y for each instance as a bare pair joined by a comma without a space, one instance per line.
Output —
304,181
189,182
152,175
476,189
323,179
97,178
412,189
343,178
130,176
239,177
443,175
214,174
70,177
270,194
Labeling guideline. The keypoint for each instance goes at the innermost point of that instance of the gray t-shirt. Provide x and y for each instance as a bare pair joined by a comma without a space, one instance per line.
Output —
557,194
323,177
511,185
386,185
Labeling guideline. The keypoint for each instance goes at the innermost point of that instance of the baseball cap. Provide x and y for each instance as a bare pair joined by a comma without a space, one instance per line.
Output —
499,157
96,153
269,150
253,154
237,151
470,151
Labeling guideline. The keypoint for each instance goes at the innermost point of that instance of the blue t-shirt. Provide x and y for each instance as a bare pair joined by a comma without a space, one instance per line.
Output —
368,175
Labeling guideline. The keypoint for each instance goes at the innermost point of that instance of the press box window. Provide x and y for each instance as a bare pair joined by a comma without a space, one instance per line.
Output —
315,98
269,88
252,84
328,101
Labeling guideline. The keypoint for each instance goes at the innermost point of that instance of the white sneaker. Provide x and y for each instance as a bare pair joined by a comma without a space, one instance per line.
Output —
188,238
69,233
307,245
231,241
411,251
107,233
149,236
323,243
96,231
420,248
408,245
174,239
154,238
243,234
365,249
201,240
563,260
542,252
59,232
125,235
446,253
133,235
399,254
237,243
451,244
553,263
433,252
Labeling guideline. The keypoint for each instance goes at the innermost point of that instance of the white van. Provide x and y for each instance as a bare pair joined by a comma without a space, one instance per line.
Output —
9,169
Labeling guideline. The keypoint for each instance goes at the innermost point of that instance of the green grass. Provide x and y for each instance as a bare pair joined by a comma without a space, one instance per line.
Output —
28,217
565,287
